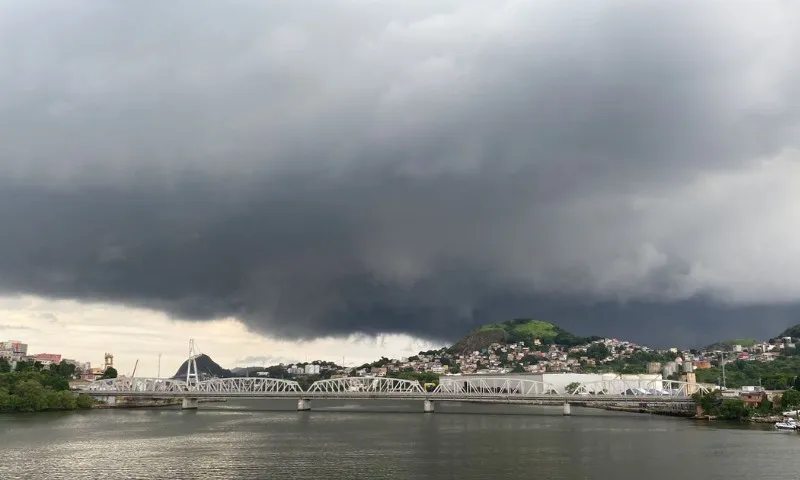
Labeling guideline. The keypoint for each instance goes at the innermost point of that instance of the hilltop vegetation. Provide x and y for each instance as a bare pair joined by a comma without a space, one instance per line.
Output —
518,330
726,345
525,328
776,375
793,332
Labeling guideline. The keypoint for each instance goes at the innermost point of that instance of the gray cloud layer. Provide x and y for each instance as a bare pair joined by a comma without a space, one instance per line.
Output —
351,166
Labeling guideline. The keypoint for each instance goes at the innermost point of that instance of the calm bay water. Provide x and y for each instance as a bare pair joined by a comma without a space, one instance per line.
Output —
385,441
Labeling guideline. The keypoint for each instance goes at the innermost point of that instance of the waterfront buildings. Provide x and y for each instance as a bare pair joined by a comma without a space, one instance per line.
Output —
14,351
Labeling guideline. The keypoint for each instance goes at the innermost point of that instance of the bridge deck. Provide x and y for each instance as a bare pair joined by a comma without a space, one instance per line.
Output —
441,397
483,389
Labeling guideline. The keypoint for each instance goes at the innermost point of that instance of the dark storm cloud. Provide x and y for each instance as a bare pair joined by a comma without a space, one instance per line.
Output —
404,166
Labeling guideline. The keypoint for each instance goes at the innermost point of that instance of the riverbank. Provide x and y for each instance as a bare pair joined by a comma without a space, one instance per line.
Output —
33,390
666,412
767,419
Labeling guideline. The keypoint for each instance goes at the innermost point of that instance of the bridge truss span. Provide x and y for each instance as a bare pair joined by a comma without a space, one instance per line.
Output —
248,385
360,385
634,387
138,385
496,386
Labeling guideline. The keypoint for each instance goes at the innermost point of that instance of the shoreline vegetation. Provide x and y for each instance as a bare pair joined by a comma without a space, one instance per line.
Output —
32,388
713,406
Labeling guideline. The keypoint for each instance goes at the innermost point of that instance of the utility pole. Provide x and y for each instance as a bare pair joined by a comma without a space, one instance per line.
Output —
722,355
159,365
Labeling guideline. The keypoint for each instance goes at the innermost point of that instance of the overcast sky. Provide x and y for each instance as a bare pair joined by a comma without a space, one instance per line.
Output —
281,179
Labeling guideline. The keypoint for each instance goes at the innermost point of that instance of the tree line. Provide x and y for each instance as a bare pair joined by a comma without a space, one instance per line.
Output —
778,374
33,388
735,409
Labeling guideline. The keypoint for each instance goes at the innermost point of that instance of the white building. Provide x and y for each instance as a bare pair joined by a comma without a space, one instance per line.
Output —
611,383
311,369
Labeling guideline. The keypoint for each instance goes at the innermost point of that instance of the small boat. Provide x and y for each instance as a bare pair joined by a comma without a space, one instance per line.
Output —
787,424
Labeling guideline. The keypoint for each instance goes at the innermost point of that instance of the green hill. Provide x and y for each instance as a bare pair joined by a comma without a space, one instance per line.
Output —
517,330
793,332
727,345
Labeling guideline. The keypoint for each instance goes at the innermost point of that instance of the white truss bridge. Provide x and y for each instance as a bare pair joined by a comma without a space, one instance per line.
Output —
473,389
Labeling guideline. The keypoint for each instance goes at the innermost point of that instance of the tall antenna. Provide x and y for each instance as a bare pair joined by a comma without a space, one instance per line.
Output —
192,377
159,365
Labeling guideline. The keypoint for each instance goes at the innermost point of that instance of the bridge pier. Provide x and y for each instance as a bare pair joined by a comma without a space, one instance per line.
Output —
567,409
189,403
303,405
427,406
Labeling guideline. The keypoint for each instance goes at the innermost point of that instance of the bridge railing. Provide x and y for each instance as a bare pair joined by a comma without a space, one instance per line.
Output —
495,385
248,385
365,384
138,384
358,386
639,387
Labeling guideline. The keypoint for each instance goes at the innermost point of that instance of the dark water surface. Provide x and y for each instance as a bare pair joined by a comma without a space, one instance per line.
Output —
386,440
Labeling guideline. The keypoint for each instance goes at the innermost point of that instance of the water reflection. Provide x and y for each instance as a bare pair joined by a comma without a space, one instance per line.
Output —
349,440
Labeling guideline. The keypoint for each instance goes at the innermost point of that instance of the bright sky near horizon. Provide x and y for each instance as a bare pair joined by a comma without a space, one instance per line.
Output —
85,331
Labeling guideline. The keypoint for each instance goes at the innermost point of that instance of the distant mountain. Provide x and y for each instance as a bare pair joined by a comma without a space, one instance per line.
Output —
205,367
521,329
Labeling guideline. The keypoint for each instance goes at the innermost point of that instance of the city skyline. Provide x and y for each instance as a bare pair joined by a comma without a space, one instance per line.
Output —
159,350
